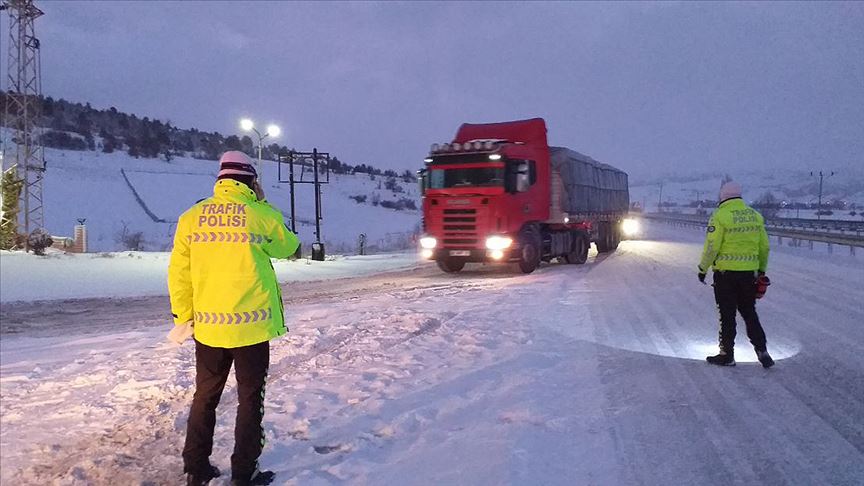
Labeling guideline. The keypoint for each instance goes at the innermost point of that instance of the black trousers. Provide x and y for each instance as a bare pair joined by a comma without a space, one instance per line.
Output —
212,366
736,292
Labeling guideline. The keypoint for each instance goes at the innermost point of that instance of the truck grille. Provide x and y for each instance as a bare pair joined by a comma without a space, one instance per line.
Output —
460,228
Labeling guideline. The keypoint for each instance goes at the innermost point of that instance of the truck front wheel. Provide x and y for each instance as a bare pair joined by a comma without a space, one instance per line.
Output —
529,255
450,265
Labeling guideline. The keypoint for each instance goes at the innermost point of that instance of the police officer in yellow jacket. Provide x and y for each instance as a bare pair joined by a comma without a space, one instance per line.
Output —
736,245
220,279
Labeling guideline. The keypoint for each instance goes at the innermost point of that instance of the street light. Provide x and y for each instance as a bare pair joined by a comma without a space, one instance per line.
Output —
272,131
822,176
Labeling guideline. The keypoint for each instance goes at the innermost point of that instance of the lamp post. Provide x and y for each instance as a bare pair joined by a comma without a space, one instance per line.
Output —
821,178
272,131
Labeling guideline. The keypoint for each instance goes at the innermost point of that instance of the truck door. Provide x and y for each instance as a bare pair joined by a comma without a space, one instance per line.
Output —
522,183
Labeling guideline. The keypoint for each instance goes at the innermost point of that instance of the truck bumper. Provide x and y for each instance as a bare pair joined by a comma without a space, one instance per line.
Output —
476,255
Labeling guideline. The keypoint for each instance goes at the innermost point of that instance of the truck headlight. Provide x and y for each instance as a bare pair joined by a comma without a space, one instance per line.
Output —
428,242
630,226
498,242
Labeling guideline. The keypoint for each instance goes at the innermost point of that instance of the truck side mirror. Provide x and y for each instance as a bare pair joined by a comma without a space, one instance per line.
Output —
523,178
422,181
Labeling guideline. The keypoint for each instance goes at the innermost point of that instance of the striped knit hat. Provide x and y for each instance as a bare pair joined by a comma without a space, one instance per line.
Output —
235,162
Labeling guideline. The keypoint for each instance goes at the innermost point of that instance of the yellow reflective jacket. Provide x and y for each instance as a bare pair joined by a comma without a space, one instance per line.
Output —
220,275
736,239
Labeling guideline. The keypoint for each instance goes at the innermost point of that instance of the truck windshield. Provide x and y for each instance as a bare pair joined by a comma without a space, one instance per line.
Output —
476,177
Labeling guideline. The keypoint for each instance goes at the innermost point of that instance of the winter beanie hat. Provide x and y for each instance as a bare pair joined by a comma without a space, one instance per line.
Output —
235,162
729,190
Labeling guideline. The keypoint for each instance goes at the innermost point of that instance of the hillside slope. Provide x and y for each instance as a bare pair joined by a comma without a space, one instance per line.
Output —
115,191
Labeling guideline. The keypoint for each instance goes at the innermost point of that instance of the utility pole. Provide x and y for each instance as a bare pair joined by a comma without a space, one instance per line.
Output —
821,178
660,199
23,107
316,158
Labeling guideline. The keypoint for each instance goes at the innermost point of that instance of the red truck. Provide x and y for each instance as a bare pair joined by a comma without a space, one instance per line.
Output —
499,193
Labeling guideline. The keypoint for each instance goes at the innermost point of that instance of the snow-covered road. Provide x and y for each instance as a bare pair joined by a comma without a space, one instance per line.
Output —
589,374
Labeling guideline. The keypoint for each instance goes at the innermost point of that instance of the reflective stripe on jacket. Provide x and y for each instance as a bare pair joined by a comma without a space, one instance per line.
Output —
736,239
220,275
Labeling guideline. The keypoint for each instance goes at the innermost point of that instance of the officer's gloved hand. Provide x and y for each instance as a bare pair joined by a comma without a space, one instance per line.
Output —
701,276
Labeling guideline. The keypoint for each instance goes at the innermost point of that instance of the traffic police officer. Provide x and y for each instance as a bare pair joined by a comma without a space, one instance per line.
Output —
222,284
736,245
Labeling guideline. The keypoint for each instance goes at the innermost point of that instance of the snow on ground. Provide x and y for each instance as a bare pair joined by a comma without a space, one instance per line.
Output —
575,374
59,275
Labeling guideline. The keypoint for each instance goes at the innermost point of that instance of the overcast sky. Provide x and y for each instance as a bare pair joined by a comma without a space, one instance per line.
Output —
676,86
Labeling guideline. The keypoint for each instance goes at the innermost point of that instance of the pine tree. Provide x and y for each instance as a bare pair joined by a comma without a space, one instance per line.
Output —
11,187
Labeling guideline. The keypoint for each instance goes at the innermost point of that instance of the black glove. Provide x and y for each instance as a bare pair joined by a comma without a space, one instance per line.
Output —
702,277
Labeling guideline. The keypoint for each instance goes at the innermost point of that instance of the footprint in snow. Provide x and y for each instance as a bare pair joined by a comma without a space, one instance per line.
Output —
329,449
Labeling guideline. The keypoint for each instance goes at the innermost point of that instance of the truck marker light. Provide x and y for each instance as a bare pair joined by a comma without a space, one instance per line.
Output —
428,242
434,147
426,254
630,226
456,146
498,242
467,146
496,254
428,160
495,157
566,219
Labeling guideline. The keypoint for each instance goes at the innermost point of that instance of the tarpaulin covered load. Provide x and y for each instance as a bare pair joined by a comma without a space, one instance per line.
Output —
588,185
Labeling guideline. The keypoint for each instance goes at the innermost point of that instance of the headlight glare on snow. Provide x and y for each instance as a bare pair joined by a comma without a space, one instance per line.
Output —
630,226
496,254
426,253
498,242
428,242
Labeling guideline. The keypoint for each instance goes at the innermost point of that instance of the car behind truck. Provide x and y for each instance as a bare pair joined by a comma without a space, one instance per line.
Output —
499,193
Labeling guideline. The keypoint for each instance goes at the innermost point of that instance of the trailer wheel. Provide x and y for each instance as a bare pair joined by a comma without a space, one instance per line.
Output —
451,265
579,253
604,238
529,255
615,231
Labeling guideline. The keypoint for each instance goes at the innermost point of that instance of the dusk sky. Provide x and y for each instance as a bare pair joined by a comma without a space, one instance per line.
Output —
643,86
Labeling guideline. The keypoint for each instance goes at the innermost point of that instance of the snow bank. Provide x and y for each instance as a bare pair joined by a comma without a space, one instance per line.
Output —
57,276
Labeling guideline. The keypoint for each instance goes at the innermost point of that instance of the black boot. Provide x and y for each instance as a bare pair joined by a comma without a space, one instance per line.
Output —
259,478
202,478
722,359
765,359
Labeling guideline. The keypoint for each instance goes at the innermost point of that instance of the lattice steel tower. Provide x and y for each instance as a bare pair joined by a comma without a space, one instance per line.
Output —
23,108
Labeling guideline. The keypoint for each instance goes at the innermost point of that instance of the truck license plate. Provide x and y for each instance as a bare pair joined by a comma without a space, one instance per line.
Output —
460,253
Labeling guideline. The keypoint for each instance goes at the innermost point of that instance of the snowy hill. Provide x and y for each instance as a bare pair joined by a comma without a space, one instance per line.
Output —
791,186
116,192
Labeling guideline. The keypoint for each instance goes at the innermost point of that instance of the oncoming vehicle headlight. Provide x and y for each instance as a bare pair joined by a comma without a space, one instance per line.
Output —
630,226
428,242
498,242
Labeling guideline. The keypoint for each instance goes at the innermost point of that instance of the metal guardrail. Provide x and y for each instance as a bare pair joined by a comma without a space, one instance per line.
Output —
835,232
